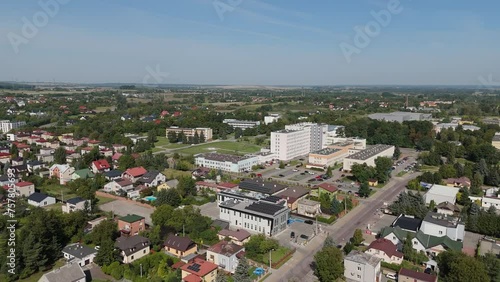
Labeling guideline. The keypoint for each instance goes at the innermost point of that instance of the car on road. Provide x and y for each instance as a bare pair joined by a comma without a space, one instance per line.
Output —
303,236
343,175
312,173
312,180
295,170
391,276
292,234
302,173
339,246
281,175
308,221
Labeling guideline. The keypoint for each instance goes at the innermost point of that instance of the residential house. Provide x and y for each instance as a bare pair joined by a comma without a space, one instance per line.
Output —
24,188
134,193
439,225
132,248
407,223
447,209
396,235
363,267
91,224
70,272
152,178
78,253
5,157
75,204
113,174
308,208
82,174
41,200
17,161
133,174
119,147
20,170
458,182
119,185
168,185
433,245
106,152
45,158
226,255
179,246
35,165
200,172
131,224
62,172
292,195
199,270
238,236
386,250
72,157
100,166
407,275
5,180
326,188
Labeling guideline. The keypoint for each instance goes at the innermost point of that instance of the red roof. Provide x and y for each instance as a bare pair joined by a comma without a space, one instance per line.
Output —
421,276
205,268
386,246
101,164
191,278
328,187
23,184
94,142
227,185
116,156
225,248
5,155
136,171
178,264
164,113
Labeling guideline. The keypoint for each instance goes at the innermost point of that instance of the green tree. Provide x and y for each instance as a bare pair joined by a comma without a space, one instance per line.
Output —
348,247
357,238
126,161
476,184
169,197
364,190
492,264
241,272
383,167
457,266
238,132
282,165
336,206
329,172
162,215
329,242
107,253
172,137
328,264
397,153
202,137
59,155
186,186
196,138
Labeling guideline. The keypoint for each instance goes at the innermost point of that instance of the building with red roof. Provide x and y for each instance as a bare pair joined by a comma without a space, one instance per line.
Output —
25,188
407,275
133,174
100,166
327,188
199,270
386,250
226,255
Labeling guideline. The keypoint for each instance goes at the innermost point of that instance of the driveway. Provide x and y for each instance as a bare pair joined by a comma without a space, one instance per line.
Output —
210,209
123,208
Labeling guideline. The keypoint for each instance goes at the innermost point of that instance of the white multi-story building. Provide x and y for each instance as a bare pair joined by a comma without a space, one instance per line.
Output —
315,132
7,125
288,144
243,124
271,118
190,132
440,225
368,156
258,217
230,163
441,194
362,267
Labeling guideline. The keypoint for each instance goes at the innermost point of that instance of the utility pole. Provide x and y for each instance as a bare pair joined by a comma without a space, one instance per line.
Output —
270,259
141,270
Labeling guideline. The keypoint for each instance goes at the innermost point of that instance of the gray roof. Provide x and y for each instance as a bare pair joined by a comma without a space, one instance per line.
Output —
149,176
67,273
224,157
363,258
258,185
441,219
78,250
37,197
131,245
369,152
76,200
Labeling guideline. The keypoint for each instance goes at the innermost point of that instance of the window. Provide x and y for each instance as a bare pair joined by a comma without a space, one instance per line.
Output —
440,232
132,257
359,268
359,276
144,252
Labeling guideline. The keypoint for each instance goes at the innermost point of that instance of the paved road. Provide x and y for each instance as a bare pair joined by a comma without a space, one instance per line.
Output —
299,267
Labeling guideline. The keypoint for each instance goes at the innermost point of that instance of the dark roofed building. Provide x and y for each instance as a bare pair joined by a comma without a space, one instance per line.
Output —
79,253
113,174
407,275
261,186
407,223
292,195
70,272
179,246
132,248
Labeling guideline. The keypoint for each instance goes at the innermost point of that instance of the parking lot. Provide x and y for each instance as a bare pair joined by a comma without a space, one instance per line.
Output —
302,233
210,209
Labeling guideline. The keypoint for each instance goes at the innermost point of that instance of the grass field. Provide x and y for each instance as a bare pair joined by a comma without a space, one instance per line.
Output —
104,200
56,206
429,168
225,147
57,191
164,143
276,255
172,173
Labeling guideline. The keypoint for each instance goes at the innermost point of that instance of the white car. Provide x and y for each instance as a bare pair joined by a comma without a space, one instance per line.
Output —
312,173
295,170
391,276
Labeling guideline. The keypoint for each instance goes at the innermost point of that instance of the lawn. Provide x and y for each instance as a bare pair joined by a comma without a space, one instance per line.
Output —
173,173
162,141
104,200
225,147
429,168
58,191
275,255
56,206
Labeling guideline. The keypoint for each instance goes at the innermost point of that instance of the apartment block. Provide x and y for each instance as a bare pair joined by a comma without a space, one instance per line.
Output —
7,125
190,132
368,156
243,124
224,162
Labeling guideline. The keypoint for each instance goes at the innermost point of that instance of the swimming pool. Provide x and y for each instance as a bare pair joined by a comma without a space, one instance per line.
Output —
150,198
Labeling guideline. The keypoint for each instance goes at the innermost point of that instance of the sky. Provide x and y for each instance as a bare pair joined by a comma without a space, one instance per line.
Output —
251,42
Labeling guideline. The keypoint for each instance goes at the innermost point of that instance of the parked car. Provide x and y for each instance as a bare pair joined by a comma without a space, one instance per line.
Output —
295,170
308,221
391,276
292,234
303,236
281,175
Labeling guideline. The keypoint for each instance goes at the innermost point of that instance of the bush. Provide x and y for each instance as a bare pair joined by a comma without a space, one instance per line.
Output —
328,220
390,266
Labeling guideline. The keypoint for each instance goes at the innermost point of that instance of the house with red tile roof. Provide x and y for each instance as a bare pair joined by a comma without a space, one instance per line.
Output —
100,166
326,188
5,157
25,188
133,174
407,275
226,255
199,270
238,237
386,250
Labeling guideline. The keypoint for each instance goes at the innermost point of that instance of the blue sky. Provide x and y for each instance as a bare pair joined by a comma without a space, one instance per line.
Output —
255,42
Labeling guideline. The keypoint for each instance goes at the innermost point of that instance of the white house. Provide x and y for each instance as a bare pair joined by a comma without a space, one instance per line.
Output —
152,178
119,184
226,255
79,253
434,245
439,225
225,162
75,204
41,200
368,156
24,188
362,267
386,250
440,194
61,171
132,248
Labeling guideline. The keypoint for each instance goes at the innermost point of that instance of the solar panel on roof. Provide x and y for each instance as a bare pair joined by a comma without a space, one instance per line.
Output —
194,267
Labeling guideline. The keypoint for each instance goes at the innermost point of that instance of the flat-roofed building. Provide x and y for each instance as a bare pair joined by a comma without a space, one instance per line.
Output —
243,124
400,116
440,194
190,132
224,162
7,125
440,126
288,144
368,156
327,157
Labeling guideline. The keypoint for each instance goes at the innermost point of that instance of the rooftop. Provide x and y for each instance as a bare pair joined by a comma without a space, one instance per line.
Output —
496,137
131,245
418,276
263,209
224,157
179,243
363,258
261,186
226,248
240,234
78,250
326,151
369,152
291,194
69,272
75,201
386,246
407,223
327,186
37,197
443,191
136,171
429,241
199,268
130,218
441,219
307,202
